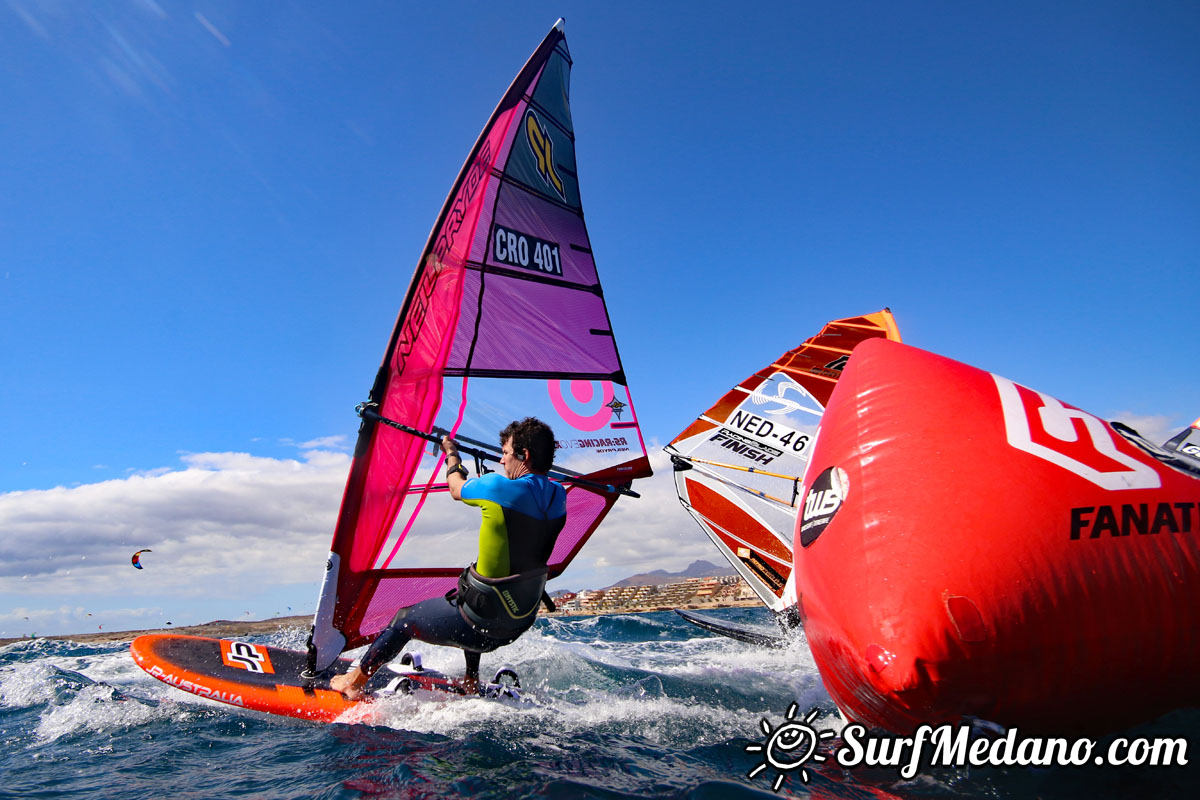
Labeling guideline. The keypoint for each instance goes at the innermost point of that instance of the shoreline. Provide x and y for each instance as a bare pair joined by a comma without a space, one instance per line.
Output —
643,609
217,629
228,628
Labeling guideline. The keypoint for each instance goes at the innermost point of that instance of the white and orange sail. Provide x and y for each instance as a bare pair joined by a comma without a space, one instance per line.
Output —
1187,441
738,467
503,318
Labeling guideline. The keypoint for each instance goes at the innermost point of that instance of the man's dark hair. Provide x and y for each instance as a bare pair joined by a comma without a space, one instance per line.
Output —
535,436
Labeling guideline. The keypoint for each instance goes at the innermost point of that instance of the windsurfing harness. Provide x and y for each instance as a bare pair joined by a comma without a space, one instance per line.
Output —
500,607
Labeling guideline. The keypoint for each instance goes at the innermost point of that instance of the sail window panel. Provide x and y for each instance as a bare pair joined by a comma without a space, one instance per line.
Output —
533,327
394,458
593,426
583,509
392,593
529,234
429,517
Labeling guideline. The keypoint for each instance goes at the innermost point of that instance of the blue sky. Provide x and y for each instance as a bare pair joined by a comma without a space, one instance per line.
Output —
211,211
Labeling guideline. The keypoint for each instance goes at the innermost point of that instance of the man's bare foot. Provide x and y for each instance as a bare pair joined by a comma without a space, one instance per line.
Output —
350,684
470,684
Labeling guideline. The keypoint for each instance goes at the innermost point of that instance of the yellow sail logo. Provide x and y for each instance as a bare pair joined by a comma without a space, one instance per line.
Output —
543,151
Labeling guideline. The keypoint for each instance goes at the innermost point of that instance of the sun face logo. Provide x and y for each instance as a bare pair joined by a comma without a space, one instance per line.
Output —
789,747
543,150
617,407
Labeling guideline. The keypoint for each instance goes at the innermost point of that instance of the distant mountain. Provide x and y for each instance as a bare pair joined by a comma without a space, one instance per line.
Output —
697,569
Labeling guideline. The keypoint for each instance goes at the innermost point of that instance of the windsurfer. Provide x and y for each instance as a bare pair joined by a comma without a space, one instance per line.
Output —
498,596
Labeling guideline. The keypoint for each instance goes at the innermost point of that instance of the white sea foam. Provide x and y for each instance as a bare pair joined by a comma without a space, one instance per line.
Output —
98,709
669,692
653,686
92,693
24,685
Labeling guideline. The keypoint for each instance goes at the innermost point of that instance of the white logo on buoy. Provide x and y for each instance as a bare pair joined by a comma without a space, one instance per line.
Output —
1054,437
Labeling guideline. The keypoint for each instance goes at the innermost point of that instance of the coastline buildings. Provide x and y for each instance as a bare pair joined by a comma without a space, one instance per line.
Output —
710,592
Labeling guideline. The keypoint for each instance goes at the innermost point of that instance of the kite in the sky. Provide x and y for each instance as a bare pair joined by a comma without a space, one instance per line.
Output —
136,561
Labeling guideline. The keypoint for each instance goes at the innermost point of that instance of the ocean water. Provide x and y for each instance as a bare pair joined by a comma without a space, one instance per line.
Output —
639,705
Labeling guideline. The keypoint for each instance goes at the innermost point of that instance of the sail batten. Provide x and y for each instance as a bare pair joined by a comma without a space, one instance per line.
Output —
503,318
591,288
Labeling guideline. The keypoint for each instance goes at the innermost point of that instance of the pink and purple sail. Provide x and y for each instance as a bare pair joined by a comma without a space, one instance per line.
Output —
504,318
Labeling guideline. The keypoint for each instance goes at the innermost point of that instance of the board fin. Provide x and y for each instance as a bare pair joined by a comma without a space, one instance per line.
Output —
750,634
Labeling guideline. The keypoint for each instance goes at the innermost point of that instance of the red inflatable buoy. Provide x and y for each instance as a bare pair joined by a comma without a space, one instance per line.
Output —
969,546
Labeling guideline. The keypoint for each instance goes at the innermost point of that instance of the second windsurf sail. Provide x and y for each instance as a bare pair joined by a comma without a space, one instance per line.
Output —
738,466
1187,441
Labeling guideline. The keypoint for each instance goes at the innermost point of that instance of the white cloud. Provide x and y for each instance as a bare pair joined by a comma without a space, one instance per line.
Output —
644,534
82,616
223,519
339,442
148,473
227,527
88,617
1155,428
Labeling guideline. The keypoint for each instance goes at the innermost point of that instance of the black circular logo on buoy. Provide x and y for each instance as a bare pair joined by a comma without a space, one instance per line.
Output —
822,501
